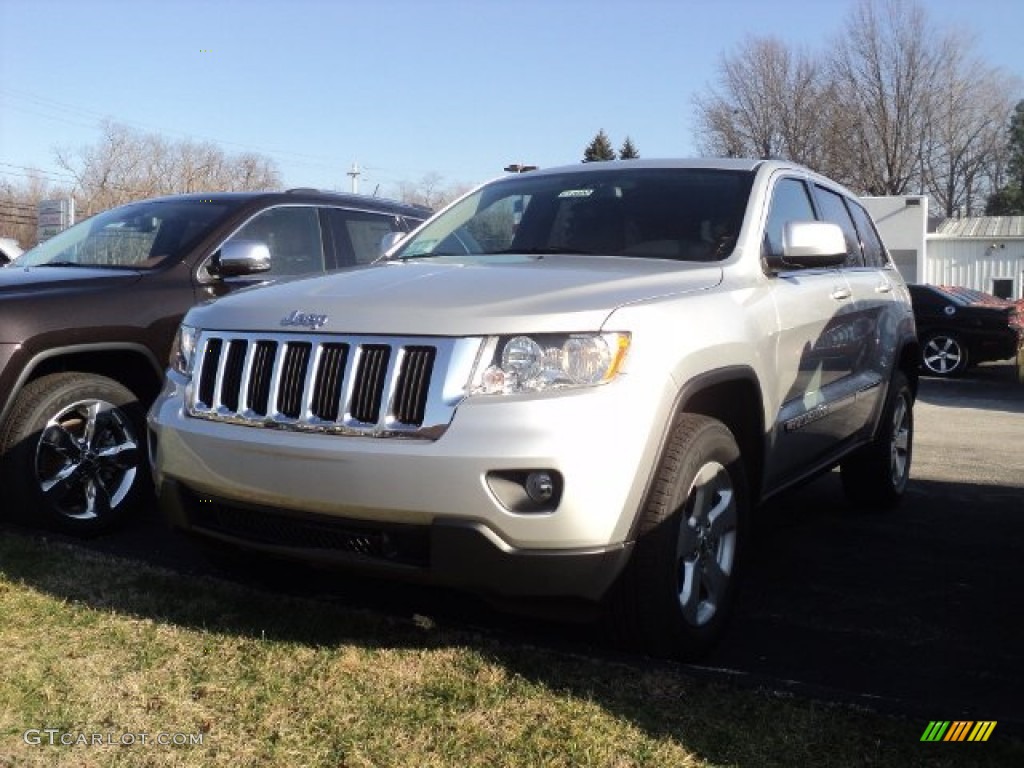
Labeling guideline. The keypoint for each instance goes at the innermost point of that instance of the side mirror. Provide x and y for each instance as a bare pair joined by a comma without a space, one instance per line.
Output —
390,240
809,244
242,257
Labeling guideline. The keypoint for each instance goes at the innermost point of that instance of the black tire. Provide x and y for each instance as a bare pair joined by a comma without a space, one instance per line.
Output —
943,354
72,453
876,475
677,594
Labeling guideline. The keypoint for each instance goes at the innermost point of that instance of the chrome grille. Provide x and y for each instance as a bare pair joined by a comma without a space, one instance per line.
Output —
379,386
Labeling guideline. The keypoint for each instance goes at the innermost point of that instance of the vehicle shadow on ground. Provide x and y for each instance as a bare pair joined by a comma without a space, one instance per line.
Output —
917,609
914,612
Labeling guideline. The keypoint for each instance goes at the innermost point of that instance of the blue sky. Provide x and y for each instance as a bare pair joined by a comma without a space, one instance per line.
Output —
405,88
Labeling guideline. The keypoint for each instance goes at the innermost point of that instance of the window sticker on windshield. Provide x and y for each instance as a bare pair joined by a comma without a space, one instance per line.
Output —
576,193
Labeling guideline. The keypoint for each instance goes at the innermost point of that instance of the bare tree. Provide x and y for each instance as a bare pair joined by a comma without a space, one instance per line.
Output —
429,191
19,206
897,105
767,104
887,71
966,132
126,165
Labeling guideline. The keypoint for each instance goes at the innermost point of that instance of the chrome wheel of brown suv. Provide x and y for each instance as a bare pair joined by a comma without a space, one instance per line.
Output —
74,452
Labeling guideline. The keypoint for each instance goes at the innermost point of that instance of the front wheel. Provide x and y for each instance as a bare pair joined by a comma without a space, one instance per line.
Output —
71,452
677,593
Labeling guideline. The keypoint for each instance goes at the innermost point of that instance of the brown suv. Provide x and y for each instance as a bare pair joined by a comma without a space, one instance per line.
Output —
87,319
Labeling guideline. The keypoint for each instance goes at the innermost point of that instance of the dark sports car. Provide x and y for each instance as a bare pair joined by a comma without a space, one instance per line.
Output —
960,327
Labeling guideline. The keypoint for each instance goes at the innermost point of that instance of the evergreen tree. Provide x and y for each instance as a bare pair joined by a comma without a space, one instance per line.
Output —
628,151
1009,200
599,149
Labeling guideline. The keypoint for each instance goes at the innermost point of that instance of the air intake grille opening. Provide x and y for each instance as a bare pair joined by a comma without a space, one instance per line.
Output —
368,390
413,383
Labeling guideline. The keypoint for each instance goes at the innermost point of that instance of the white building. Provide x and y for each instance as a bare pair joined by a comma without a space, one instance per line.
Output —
902,222
985,253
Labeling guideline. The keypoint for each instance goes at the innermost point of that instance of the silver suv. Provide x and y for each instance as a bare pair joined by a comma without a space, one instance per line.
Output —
571,383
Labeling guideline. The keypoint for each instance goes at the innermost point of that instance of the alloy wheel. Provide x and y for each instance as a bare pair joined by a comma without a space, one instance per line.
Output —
706,546
943,355
87,459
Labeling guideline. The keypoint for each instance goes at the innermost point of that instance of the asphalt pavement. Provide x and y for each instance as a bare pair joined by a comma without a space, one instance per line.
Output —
918,610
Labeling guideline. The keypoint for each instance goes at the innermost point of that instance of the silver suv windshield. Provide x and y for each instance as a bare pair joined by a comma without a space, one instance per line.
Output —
684,214
135,236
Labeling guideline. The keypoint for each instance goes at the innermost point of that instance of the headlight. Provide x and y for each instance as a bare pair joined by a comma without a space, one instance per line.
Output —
183,349
538,363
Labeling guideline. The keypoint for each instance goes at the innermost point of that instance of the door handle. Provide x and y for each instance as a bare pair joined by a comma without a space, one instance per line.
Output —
885,287
840,294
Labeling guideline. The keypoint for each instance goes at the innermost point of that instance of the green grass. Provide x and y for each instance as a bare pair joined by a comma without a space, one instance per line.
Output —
97,645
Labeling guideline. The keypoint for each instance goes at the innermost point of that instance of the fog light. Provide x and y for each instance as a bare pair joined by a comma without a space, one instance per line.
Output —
526,491
540,487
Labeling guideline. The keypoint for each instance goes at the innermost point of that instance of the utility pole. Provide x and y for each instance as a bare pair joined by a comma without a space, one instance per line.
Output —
354,173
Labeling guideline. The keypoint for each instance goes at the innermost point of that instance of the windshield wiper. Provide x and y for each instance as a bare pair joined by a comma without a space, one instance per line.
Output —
547,250
61,264
429,255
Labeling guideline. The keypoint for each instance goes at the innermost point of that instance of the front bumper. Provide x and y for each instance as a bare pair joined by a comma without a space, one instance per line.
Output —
456,553
429,510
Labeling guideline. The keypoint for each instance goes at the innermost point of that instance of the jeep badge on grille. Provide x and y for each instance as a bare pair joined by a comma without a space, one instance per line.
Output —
305,319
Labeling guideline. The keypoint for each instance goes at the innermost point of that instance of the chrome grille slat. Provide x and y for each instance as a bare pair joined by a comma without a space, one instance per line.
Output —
353,385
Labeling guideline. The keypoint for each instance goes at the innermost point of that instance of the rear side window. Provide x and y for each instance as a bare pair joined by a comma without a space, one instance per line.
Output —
790,202
874,252
358,234
834,210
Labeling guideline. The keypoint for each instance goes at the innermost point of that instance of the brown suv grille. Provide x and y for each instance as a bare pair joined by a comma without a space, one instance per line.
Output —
353,385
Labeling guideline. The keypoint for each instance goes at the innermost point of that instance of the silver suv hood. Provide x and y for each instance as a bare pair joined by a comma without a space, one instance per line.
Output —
444,297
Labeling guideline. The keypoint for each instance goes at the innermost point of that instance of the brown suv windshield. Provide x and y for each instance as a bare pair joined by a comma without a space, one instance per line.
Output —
135,236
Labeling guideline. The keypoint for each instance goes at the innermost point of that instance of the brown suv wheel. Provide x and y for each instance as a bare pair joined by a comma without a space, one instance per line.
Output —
72,452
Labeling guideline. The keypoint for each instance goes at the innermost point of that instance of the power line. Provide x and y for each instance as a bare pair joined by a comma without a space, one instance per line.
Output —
33,168
317,160
299,158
